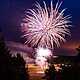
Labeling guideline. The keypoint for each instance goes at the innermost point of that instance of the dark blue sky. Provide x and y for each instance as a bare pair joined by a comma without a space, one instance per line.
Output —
12,11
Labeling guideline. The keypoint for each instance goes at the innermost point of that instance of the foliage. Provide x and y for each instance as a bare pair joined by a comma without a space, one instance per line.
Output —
50,73
11,68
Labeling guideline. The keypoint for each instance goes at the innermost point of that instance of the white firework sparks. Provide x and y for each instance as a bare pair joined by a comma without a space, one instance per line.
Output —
41,57
46,26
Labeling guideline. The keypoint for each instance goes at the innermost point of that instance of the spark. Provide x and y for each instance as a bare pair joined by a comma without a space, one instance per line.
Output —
46,26
41,57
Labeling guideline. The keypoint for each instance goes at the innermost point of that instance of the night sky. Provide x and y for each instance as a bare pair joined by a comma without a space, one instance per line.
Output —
12,12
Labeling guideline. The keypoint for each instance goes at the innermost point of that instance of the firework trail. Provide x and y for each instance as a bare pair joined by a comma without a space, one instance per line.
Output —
45,26
41,57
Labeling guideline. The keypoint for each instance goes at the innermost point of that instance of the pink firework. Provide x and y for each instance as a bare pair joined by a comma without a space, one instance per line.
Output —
46,26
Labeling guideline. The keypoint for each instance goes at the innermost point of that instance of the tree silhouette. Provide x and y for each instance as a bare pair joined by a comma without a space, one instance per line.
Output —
11,68
50,73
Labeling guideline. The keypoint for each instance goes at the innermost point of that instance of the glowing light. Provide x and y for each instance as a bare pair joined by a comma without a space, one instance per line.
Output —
41,57
45,26
57,67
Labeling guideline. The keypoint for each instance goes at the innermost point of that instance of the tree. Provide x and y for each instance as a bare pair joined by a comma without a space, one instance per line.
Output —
50,73
11,68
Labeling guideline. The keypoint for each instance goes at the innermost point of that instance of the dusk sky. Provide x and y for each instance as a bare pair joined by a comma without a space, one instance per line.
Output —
12,12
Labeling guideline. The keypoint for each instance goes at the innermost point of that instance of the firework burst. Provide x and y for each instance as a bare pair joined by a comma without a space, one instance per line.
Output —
41,57
46,26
